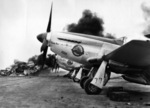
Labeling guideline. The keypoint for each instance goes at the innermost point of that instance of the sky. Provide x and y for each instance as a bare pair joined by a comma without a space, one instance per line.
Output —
22,20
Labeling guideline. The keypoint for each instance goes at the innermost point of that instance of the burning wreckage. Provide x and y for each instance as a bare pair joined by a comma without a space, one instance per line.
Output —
31,67
20,68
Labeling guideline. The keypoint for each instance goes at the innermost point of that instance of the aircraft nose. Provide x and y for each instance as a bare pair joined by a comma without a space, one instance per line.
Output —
41,37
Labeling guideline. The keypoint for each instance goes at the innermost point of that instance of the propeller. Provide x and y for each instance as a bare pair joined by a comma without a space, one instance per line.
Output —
42,37
50,20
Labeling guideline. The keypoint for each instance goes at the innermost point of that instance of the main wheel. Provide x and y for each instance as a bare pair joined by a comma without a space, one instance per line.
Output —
90,88
82,81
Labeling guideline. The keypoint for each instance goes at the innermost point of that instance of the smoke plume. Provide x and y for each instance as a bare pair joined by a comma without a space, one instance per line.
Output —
89,23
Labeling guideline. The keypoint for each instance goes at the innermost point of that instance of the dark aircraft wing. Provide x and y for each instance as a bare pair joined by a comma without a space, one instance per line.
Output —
134,53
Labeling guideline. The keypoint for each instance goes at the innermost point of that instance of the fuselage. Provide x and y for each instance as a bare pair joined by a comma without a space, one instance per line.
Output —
67,64
79,47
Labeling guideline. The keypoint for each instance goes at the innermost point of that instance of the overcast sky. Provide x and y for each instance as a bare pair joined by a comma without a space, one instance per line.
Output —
22,20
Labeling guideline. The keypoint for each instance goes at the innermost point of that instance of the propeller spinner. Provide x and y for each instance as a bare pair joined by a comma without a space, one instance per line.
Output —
42,37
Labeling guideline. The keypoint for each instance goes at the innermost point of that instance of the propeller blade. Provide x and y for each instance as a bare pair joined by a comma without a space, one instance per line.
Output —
50,20
44,55
42,38
44,45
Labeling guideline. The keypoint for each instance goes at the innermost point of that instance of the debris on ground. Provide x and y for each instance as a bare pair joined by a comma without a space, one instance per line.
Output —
118,94
32,67
21,68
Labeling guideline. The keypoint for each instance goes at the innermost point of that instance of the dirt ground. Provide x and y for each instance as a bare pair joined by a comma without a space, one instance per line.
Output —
51,90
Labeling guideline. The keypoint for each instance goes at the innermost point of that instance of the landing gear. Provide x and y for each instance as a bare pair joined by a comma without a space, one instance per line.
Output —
68,75
107,77
87,75
80,73
74,76
75,79
82,81
92,89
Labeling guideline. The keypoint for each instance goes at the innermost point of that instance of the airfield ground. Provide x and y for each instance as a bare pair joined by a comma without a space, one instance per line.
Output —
51,90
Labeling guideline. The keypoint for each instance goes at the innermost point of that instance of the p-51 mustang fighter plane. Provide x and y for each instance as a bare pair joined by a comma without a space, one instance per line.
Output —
85,49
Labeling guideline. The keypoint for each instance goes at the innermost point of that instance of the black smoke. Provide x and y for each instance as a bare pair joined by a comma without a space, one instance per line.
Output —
89,23
109,35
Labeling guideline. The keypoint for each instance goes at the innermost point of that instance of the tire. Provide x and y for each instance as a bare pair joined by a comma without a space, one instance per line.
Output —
84,72
82,81
90,88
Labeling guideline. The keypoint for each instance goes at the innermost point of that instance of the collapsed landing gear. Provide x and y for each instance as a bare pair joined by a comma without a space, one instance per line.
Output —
92,89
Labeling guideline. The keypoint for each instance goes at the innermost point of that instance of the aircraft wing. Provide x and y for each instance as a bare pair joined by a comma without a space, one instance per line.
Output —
94,60
134,53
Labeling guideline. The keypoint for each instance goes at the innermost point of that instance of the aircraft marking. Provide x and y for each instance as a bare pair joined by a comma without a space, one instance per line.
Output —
77,50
